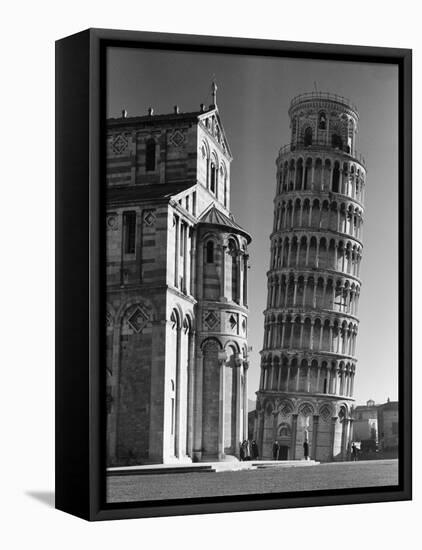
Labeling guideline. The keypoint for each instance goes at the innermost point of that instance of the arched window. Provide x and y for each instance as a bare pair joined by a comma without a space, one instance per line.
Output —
213,182
336,177
307,140
336,141
223,174
322,121
232,269
210,252
150,155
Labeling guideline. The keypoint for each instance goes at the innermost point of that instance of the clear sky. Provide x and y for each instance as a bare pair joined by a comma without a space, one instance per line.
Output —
253,99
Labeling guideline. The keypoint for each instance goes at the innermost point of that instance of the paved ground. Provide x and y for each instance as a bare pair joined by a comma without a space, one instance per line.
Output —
338,475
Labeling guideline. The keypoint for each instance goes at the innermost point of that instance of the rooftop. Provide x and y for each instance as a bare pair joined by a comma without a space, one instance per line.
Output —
155,191
324,96
213,216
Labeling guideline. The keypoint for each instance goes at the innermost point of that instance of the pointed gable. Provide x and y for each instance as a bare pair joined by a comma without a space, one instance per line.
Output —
211,122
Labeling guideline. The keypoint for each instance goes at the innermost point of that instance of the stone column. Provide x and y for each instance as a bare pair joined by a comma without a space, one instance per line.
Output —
311,339
275,419
344,439
313,173
288,378
329,389
193,263
301,334
178,393
335,376
239,282
191,383
113,418
245,280
223,274
318,378
222,363
333,434
261,418
283,326
177,253
294,434
280,370
261,379
295,292
321,333
198,400
185,260
289,254
239,398
245,400
200,279
271,384
314,436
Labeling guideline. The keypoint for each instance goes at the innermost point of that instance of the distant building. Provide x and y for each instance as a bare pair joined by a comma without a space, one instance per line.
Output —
388,426
365,425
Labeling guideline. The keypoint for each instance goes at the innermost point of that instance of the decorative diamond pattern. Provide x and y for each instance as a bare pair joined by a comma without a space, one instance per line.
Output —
325,413
119,144
177,138
233,322
211,320
306,410
138,319
149,218
286,409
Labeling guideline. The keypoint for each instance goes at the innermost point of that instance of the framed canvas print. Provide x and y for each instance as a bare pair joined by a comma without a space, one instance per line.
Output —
233,274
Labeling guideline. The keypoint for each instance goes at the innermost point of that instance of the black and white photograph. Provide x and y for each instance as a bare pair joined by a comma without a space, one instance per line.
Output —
252,275
209,212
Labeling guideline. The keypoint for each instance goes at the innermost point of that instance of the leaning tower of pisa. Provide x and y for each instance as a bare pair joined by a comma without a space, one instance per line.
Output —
308,360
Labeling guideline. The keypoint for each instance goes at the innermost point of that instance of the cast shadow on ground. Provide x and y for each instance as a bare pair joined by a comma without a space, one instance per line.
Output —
45,497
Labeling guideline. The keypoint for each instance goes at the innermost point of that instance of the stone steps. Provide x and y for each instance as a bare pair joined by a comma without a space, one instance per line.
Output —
151,470
284,464
229,466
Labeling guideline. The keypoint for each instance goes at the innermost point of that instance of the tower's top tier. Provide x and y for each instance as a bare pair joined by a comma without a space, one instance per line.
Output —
322,119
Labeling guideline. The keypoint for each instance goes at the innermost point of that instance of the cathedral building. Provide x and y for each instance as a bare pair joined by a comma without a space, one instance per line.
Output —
308,361
177,314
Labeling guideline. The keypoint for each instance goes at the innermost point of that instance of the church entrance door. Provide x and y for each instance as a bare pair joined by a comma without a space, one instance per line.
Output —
283,452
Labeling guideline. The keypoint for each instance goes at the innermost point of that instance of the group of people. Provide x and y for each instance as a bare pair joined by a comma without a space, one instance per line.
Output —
248,450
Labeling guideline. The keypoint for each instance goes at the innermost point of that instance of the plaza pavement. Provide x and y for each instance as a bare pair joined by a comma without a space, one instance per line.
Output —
333,475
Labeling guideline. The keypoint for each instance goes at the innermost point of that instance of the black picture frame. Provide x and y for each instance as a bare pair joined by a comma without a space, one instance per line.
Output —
80,403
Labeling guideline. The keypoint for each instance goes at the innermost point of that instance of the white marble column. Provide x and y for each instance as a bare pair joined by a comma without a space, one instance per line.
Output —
222,365
245,400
